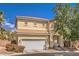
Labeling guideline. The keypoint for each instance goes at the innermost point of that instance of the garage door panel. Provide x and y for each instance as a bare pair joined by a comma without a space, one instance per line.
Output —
33,45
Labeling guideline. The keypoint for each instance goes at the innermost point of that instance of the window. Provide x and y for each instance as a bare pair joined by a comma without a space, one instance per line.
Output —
25,23
52,26
55,26
35,24
43,25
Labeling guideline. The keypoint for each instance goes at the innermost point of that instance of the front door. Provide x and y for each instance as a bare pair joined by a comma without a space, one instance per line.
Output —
56,40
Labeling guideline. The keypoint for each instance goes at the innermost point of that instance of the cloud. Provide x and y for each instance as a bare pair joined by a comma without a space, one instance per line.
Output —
9,24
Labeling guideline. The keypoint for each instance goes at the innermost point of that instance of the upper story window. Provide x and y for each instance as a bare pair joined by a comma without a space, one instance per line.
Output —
52,26
35,24
55,26
43,25
25,23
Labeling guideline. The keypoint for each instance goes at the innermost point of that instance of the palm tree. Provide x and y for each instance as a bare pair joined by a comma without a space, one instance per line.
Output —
1,22
3,34
1,18
13,35
8,34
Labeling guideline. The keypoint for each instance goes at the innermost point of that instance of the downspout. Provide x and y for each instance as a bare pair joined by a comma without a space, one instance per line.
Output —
49,33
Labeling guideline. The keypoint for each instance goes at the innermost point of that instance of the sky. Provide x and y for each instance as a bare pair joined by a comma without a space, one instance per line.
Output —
26,9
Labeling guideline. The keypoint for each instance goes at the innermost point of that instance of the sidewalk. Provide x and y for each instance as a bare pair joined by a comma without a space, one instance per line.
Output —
41,51
3,52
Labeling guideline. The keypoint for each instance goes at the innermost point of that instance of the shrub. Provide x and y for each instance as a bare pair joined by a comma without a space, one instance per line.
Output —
13,42
19,49
9,47
14,48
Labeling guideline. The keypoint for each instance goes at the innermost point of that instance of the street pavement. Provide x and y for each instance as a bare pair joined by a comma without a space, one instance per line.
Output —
70,53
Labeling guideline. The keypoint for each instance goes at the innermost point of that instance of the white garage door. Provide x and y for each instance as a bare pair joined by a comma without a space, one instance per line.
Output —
34,44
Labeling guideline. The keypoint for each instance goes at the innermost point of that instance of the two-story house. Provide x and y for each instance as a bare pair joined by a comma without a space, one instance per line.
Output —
36,33
32,32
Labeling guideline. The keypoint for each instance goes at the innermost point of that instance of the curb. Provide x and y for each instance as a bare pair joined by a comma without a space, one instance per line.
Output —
15,54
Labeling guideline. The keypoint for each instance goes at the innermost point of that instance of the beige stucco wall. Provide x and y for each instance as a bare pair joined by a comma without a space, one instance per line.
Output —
51,31
30,25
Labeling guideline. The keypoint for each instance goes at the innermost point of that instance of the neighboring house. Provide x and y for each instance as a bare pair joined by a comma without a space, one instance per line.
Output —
36,33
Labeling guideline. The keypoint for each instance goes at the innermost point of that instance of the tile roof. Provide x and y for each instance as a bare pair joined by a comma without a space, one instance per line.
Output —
27,18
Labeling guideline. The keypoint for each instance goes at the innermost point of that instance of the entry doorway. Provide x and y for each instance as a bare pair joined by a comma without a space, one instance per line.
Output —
56,41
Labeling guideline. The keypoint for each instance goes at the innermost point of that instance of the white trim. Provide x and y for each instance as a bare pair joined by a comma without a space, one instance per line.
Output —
32,38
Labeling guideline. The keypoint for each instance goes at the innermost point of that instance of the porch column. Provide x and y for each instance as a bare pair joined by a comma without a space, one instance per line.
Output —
51,41
46,43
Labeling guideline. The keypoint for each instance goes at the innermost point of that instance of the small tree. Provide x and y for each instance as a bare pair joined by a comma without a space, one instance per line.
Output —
67,21
2,30
62,15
